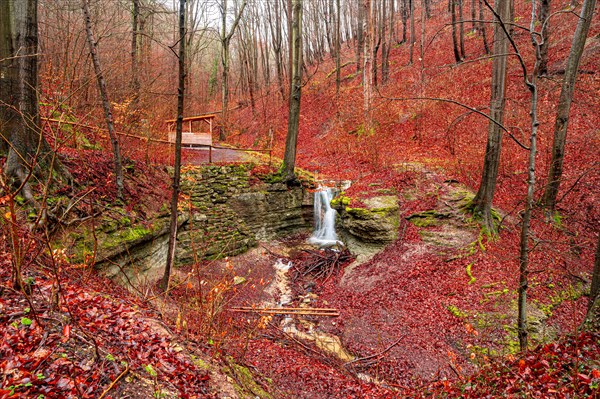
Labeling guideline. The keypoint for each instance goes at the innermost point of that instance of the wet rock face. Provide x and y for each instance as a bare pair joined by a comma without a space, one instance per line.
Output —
221,214
274,211
229,215
375,225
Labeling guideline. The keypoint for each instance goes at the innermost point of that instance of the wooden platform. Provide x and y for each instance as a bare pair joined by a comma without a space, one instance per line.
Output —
193,139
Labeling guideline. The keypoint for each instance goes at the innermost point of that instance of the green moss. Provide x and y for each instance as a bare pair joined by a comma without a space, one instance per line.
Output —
570,293
470,274
340,201
246,385
201,364
427,218
456,312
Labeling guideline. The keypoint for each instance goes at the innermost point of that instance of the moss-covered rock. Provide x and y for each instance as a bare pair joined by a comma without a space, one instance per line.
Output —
375,223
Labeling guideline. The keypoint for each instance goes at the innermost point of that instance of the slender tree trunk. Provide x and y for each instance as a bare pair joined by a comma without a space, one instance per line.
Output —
367,69
529,202
225,41
545,32
175,187
385,67
277,39
405,13
455,48
289,159
473,16
413,37
564,105
337,48
360,35
482,28
461,27
385,44
482,203
376,30
135,80
118,169
592,318
595,289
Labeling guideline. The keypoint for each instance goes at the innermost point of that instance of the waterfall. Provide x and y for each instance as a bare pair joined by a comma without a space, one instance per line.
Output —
324,234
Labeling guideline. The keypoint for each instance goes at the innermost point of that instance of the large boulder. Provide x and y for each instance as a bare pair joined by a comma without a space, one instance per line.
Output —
372,226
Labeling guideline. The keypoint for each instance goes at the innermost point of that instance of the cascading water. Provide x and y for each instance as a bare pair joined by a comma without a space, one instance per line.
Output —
324,234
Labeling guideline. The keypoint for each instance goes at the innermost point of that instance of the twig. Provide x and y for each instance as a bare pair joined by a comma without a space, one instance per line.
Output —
360,359
112,384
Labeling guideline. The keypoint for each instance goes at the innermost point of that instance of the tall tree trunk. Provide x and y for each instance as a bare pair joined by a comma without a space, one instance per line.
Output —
175,187
461,27
455,48
482,28
543,18
428,9
225,41
595,289
337,48
118,169
21,138
529,202
404,13
592,319
135,79
473,16
289,159
564,105
368,78
482,203
376,30
360,35
413,37
385,44
277,40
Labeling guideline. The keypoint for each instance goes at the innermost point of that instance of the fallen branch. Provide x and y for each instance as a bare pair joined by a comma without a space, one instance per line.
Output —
112,384
360,359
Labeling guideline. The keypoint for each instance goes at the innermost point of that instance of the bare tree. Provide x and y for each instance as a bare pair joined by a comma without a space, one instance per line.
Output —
413,37
135,78
564,104
275,25
337,48
360,35
482,28
175,187
482,203
118,169
21,139
592,319
369,11
543,18
289,159
225,41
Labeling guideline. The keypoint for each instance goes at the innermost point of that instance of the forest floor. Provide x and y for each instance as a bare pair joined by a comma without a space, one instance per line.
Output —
431,315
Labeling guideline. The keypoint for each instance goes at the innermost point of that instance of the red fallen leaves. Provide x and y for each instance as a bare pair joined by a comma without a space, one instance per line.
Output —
568,368
57,360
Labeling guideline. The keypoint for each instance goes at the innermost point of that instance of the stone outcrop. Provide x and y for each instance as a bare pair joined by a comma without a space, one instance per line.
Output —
370,227
227,211
229,214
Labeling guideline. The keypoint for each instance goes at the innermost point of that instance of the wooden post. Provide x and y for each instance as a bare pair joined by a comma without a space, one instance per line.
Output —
210,154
